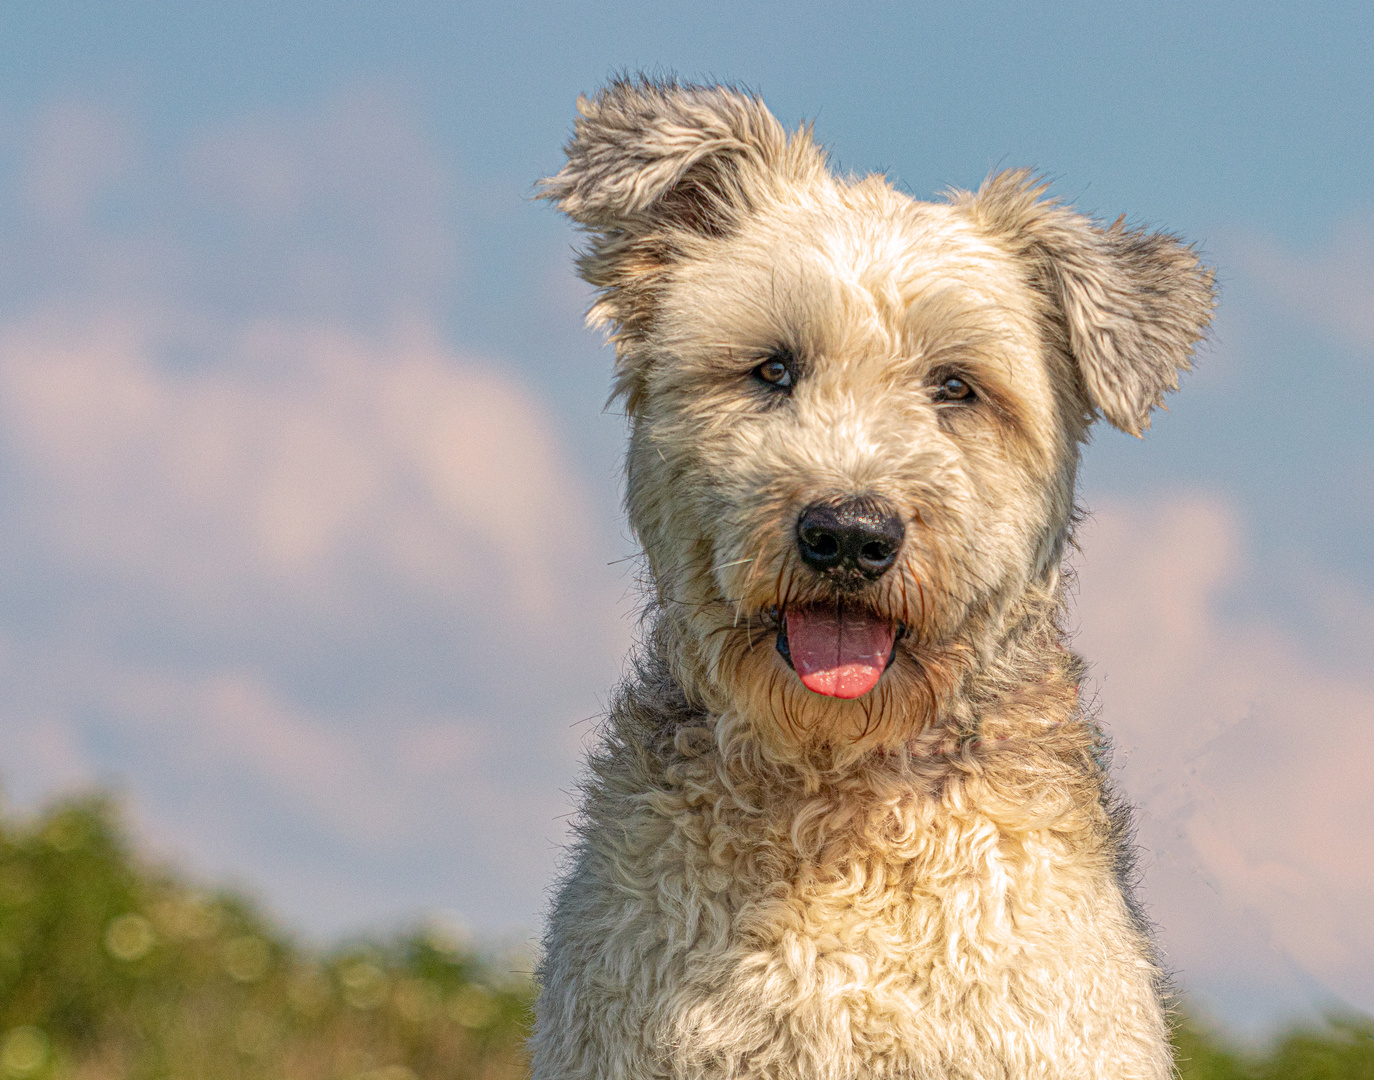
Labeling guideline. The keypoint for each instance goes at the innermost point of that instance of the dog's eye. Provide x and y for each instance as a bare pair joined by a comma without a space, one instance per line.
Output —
776,371
955,391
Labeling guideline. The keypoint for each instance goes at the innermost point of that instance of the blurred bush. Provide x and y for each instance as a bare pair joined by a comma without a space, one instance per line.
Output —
1342,1048
111,969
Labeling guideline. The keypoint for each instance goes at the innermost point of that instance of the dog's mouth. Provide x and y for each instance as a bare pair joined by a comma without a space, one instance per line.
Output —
839,650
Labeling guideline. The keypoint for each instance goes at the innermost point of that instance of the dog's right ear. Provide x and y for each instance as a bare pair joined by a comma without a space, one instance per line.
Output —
650,155
653,168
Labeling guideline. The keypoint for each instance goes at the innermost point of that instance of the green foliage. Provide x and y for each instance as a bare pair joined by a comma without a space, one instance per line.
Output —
1202,1057
1344,1050
1340,1049
111,969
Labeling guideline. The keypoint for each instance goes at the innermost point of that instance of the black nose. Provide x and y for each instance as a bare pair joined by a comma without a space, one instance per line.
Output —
860,536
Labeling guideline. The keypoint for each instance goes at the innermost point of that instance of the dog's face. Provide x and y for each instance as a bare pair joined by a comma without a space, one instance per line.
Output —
849,439
856,417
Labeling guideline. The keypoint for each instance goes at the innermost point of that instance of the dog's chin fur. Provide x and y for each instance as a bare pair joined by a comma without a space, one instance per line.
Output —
745,677
932,689
931,880
785,713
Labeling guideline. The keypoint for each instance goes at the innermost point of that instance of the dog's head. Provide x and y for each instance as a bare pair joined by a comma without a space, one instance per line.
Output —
856,417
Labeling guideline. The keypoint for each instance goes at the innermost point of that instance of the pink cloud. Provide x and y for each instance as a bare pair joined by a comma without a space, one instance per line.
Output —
310,453
308,466
378,780
276,559
1247,750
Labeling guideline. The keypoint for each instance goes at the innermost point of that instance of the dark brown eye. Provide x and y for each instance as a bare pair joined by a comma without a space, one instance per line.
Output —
955,391
777,371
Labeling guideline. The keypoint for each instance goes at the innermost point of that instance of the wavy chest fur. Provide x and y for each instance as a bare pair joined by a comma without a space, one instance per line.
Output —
948,911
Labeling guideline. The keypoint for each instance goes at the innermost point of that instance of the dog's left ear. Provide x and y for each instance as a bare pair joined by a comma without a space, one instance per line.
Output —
1133,302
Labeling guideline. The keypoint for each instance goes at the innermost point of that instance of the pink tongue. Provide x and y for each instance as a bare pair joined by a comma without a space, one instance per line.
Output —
838,653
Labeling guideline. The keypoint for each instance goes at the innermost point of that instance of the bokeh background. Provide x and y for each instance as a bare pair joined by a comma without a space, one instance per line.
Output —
309,534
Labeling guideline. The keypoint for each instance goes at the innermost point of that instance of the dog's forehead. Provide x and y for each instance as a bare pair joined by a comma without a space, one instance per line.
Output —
824,260
876,236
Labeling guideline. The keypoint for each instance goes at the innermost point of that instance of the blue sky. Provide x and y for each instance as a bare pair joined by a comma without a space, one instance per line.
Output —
288,356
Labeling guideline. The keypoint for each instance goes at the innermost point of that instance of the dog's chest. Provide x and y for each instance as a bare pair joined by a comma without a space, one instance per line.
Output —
914,935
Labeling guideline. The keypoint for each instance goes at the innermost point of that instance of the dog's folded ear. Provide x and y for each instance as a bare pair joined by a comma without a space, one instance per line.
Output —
1133,302
651,155
654,168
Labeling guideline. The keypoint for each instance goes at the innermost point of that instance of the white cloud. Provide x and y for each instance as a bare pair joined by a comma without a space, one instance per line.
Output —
375,783
1246,748
356,491
310,456
323,596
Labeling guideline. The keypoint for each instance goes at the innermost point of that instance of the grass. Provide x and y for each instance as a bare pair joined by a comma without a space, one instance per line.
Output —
114,970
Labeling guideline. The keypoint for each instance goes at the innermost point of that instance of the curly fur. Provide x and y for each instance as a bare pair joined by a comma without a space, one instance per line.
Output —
932,880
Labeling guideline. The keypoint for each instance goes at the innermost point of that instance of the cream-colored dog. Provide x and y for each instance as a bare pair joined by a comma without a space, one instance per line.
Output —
850,818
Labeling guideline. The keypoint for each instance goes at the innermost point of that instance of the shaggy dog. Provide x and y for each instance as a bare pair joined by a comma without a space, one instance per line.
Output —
849,818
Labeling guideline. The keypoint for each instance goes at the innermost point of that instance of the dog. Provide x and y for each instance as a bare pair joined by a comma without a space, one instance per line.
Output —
849,816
